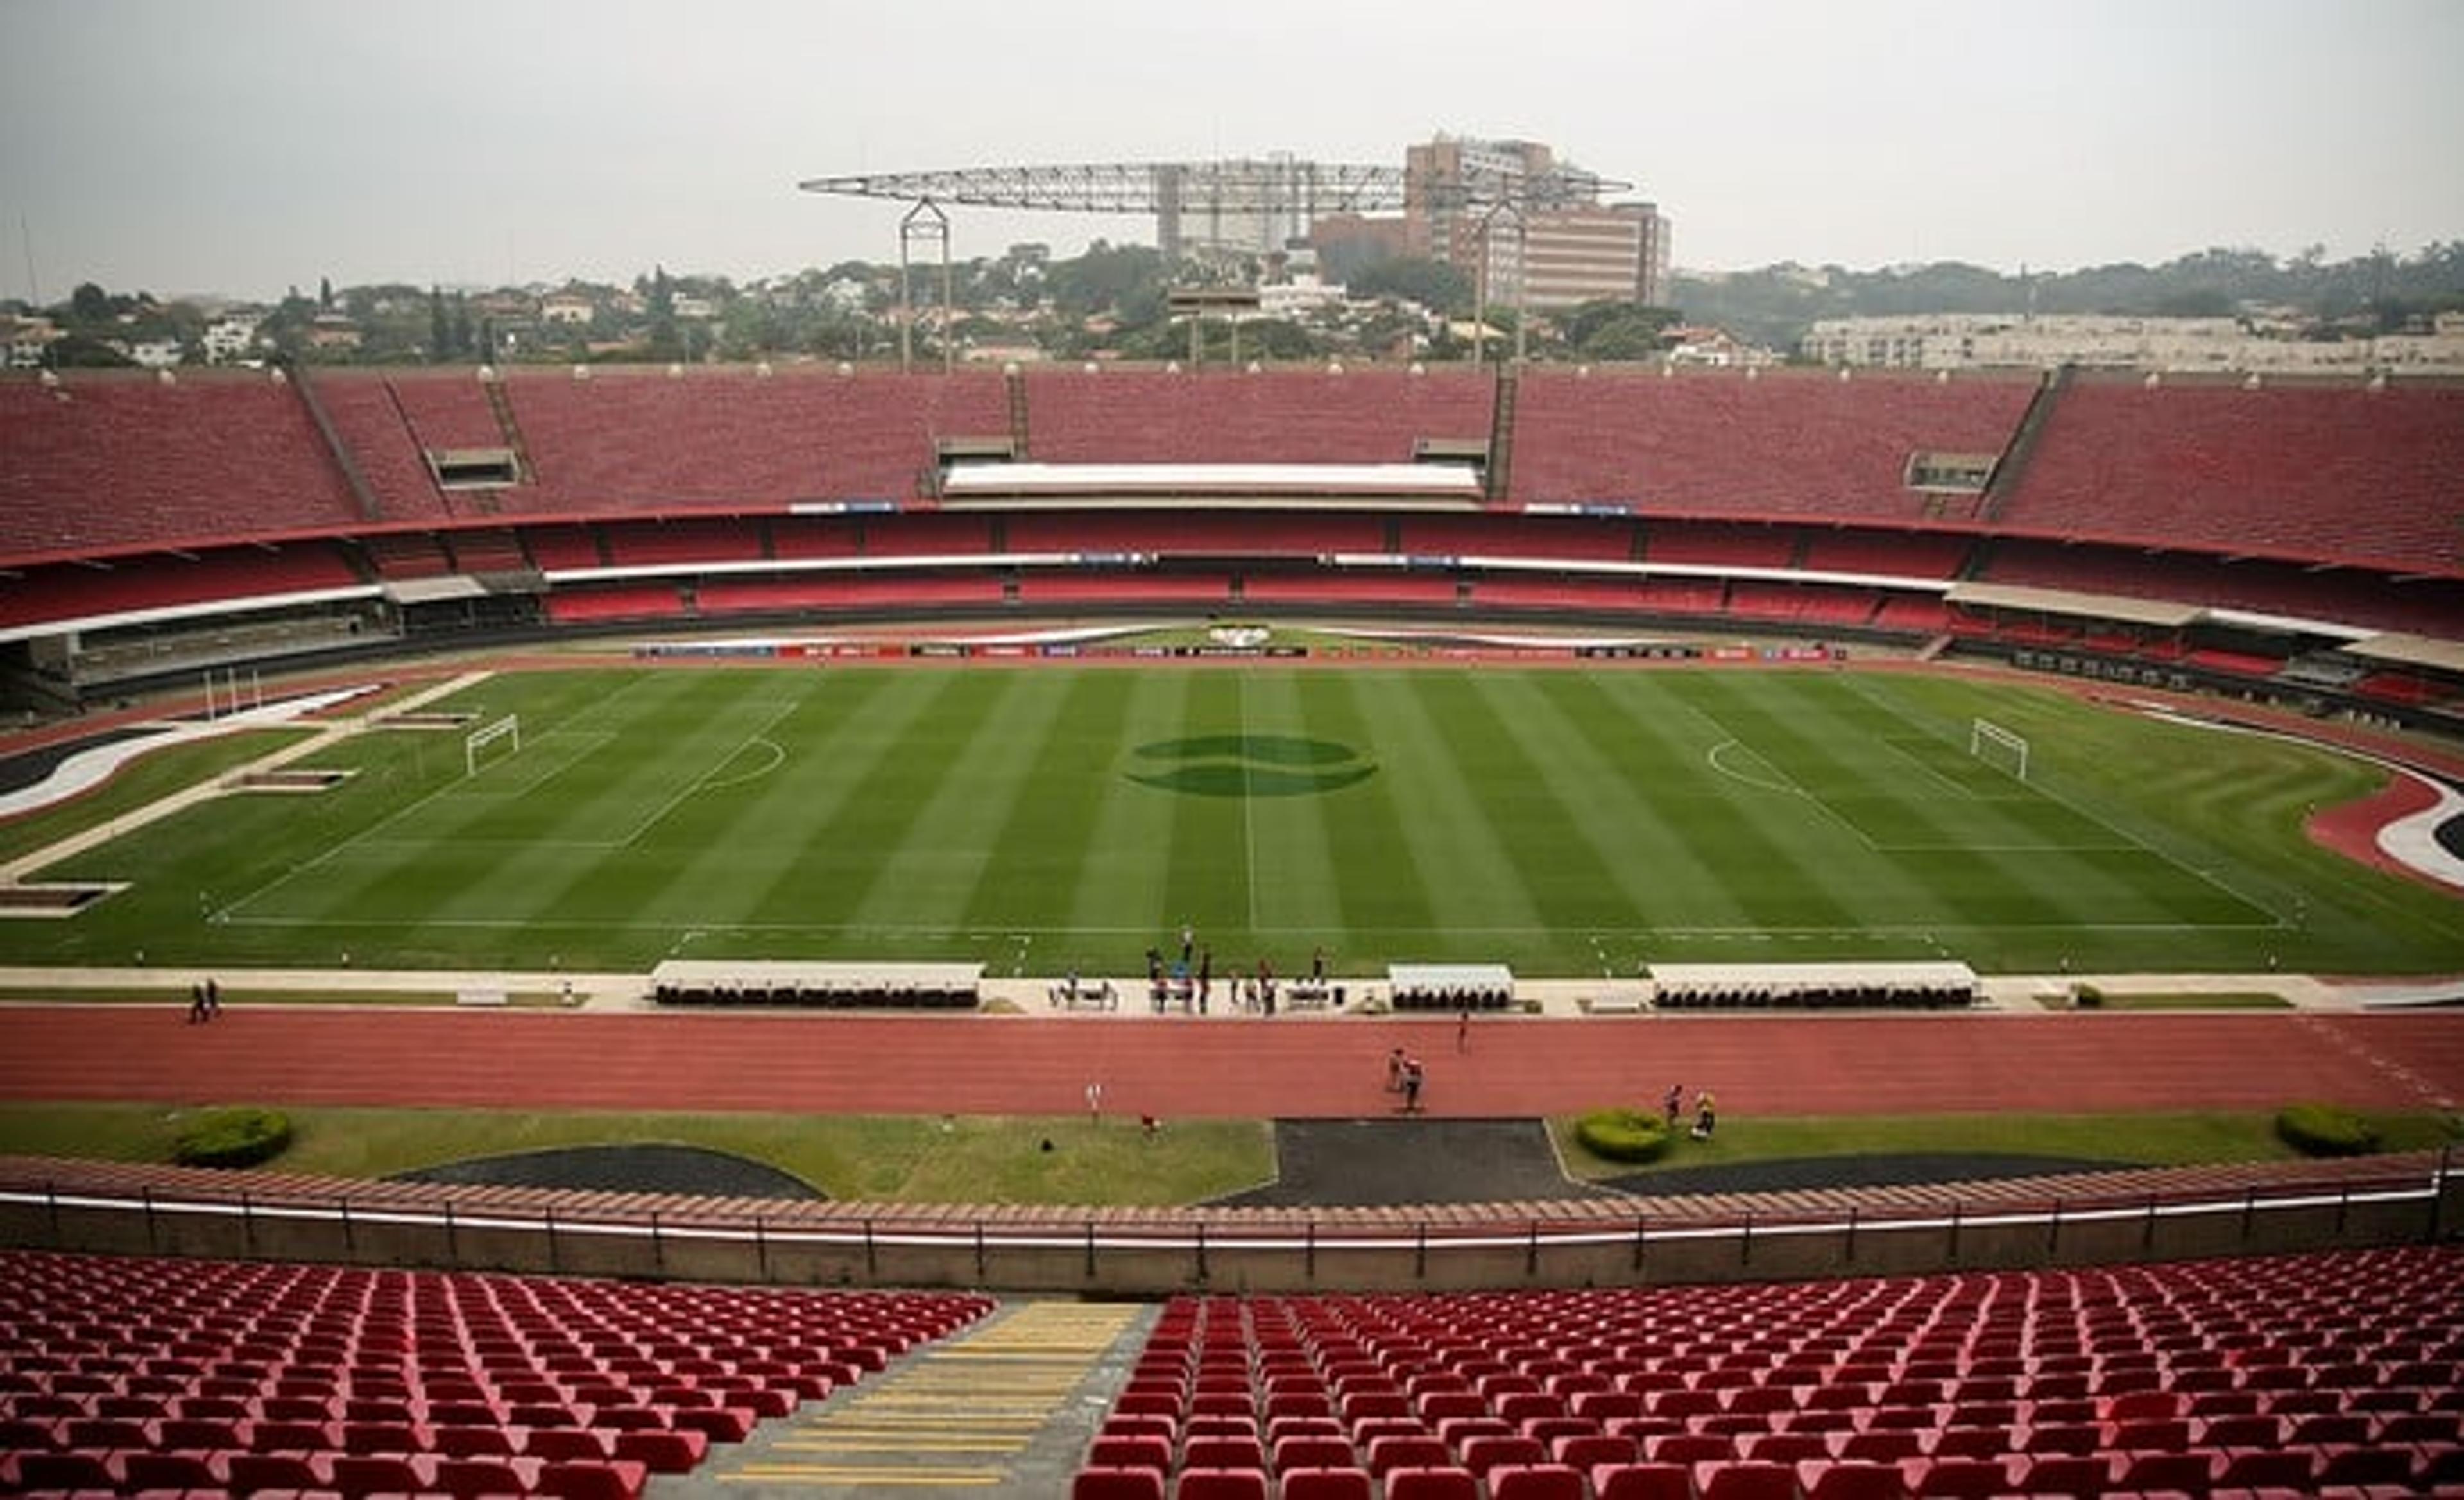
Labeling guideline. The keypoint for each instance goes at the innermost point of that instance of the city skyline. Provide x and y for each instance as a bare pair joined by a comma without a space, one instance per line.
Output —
243,146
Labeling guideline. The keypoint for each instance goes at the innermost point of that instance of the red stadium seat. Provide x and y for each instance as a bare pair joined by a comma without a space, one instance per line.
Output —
1117,1484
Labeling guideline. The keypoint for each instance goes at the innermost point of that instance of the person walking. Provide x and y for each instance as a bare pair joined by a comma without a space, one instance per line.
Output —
1705,1116
1673,1104
1411,1086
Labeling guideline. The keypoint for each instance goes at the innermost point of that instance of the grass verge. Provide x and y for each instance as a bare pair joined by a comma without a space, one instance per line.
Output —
889,1159
2231,1000
2170,1139
1001,1159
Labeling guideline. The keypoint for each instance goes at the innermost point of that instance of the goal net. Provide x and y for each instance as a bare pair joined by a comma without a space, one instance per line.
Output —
491,742
1998,747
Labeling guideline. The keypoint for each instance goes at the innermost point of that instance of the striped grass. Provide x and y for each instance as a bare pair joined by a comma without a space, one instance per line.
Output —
1568,822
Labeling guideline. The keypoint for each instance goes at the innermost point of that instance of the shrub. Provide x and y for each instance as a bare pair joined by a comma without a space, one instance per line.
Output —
1623,1135
2087,996
232,1139
2323,1130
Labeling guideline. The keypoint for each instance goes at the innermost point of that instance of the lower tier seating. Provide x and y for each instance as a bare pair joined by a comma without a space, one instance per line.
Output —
134,1374
2302,1372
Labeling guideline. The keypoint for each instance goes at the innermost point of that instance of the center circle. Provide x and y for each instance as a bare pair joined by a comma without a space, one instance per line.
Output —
1249,765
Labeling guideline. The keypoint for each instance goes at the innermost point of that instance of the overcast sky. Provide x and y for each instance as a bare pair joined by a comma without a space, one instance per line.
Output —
241,145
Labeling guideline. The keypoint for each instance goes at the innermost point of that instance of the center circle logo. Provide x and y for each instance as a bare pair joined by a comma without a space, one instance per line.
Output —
1249,765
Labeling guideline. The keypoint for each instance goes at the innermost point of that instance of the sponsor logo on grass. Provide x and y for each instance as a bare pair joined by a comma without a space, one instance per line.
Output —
1249,765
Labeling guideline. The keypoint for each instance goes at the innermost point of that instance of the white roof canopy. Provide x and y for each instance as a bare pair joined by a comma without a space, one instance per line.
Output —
1011,481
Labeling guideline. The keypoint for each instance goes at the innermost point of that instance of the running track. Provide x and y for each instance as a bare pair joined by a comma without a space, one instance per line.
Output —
1296,1068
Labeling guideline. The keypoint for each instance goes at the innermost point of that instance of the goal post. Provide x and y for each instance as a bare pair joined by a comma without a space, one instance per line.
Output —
506,731
1997,746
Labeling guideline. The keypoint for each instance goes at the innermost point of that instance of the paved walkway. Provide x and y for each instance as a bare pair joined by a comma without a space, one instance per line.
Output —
2008,994
1004,1409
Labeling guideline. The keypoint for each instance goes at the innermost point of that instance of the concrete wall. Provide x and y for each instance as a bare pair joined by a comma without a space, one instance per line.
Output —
1154,1260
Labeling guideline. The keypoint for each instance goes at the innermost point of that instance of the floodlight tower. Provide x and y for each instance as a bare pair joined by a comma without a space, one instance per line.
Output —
1503,210
923,223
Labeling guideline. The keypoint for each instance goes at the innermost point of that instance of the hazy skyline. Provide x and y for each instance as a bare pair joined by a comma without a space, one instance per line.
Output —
246,145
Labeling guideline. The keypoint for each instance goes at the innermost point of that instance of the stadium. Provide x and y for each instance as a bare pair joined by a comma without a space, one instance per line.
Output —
1508,717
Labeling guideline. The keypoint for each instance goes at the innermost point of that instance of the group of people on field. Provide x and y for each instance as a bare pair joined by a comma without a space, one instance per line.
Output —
1706,1113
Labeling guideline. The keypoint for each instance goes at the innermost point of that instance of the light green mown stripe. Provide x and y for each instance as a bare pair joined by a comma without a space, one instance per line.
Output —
1117,833
1626,834
1204,879
1449,845
1667,762
1563,850
926,876
882,807
1599,726
1041,854
1299,885
1383,893
743,850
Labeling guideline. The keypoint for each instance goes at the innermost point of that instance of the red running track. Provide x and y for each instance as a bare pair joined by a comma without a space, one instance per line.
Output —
840,1064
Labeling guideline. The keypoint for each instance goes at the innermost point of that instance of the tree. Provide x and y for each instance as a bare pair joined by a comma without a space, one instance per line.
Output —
1432,283
1614,330
326,293
89,304
440,328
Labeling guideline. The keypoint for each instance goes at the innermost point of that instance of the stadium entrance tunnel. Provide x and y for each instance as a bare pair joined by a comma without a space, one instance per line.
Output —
1249,765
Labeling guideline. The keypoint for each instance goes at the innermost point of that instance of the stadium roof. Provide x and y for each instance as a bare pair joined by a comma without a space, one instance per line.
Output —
1080,481
2411,650
2057,601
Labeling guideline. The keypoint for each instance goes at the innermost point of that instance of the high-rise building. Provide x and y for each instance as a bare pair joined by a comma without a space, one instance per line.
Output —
1551,244
1583,254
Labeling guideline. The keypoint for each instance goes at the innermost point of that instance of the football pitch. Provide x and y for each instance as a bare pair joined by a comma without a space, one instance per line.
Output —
1565,821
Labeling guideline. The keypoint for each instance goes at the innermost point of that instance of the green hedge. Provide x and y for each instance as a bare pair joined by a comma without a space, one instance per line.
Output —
1623,1135
232,1139
2323,1130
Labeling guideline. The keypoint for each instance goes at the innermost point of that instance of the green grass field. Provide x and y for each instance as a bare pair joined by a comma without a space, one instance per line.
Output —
1564,821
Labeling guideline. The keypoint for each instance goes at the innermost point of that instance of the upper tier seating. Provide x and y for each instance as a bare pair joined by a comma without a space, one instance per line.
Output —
640,440
2341,473
105,463
1781,445
132,1374
367,416
2154,1377
1285,417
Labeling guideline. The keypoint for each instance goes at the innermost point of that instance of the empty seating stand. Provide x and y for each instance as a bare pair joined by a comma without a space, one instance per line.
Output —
2296,1373
136,1374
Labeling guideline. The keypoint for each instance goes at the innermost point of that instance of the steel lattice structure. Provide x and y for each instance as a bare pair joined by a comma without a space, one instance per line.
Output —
1240,205
1257,185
